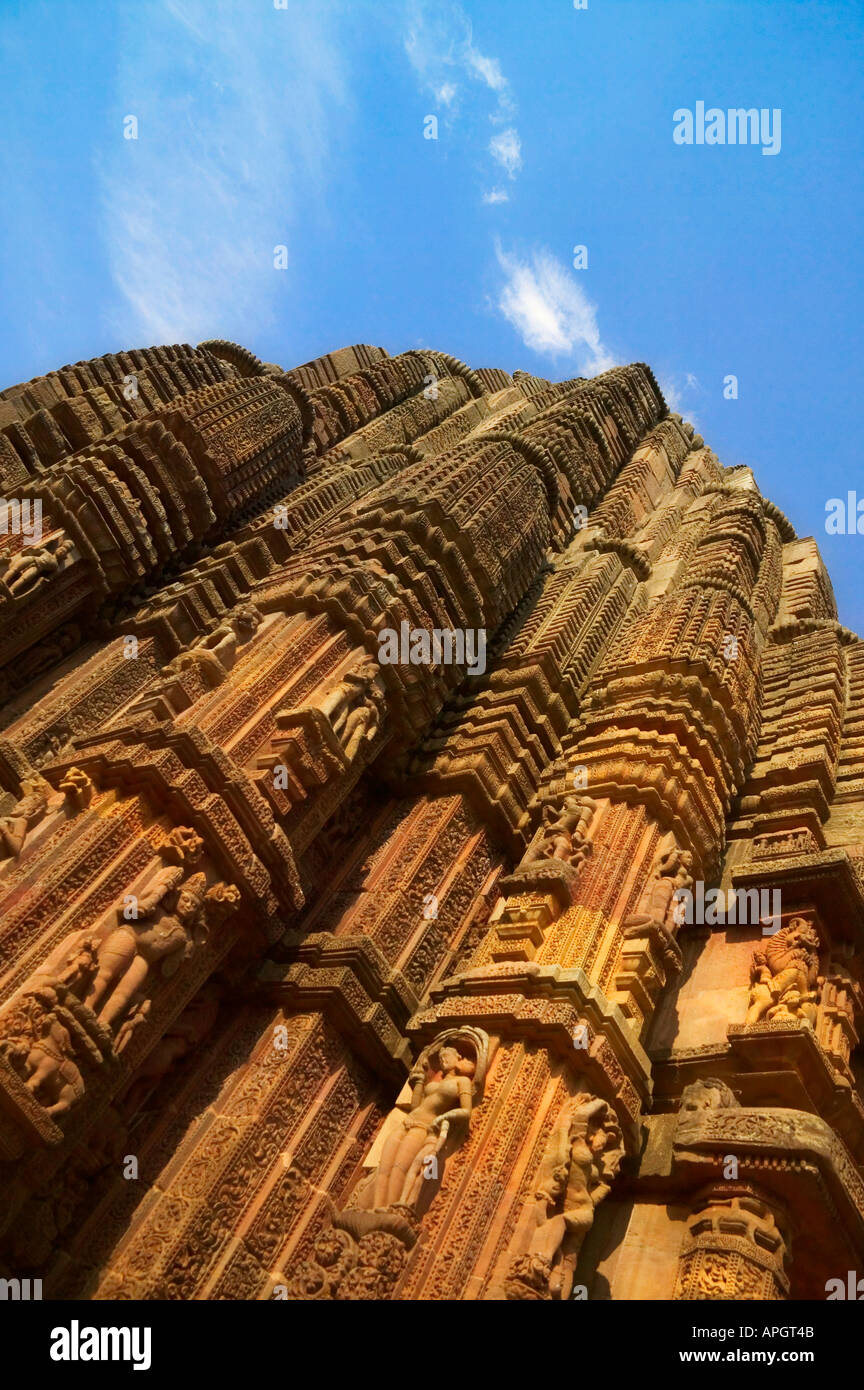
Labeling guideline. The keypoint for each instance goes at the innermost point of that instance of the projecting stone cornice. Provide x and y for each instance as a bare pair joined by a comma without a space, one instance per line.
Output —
556,1007
795,1155
349,980
826,880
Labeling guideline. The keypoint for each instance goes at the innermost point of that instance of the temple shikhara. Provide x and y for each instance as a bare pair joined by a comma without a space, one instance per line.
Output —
330,976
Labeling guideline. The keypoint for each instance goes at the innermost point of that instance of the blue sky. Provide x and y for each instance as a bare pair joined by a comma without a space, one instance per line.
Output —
303,127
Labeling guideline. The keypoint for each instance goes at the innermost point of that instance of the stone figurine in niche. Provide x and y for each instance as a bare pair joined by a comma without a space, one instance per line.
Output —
582,1157
170,913
564,836
354,707
27,569
238,628
446,1084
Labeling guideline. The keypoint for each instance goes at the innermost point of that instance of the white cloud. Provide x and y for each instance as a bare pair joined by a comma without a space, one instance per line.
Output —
674,394
235,112
550,311
488,69
506,148
496,195
440,45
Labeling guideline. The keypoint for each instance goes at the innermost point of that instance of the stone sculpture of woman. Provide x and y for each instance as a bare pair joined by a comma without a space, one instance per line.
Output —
163,933
446,1083
671,872
581,1159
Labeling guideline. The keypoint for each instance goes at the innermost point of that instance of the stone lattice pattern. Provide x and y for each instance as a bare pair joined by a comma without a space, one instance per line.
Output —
326,978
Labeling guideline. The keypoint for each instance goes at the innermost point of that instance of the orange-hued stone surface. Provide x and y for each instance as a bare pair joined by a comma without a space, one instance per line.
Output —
367,727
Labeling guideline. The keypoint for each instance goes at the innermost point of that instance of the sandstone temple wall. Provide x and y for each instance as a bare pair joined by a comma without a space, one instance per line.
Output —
331,974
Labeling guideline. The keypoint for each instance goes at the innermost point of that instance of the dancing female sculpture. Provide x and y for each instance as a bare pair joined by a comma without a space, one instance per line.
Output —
446,1083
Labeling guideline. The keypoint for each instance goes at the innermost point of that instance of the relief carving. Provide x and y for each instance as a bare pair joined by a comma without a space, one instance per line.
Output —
564,832
785,975
708,1093
47,1040
656,906
86,1010
354,708
25,814
32,566
579,1166
363,1251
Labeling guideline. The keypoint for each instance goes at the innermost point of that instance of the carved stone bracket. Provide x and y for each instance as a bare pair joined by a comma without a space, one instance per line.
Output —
350,981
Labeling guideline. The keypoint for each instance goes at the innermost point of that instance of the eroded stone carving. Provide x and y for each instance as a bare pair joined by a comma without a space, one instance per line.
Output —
29,569
77,788
579,1166
25,814
708,1093
362,1252
354,707
47,1040
785,975
671,872
564,832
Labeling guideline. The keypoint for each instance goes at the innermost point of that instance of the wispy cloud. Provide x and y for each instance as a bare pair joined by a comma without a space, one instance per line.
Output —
496,195
675,393
550,310
440,45
235,108
506,148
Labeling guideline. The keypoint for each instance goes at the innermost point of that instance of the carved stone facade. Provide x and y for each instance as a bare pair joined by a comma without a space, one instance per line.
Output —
326,974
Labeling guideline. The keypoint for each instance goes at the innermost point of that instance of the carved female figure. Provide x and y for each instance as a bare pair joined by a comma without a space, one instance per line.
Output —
581,1160
446,1082
126,955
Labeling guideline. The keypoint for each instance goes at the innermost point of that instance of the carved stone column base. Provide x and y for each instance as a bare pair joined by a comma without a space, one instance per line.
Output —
737,1247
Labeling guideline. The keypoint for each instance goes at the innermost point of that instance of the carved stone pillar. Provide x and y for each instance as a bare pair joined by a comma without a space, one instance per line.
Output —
737,1246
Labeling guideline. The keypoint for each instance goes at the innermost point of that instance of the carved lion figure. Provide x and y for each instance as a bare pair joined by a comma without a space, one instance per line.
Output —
785,974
